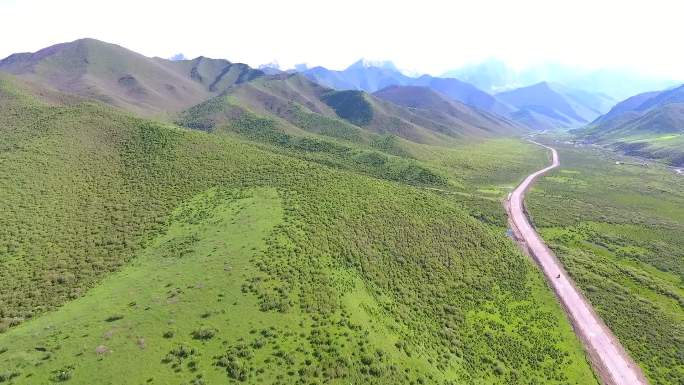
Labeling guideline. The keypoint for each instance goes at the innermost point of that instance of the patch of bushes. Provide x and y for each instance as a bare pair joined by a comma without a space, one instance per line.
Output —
204,333
350,105
64,374
8,376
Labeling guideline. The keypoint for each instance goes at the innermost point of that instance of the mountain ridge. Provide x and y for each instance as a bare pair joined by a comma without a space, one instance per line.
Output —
118,76
547,104
496,76
370,78
650,125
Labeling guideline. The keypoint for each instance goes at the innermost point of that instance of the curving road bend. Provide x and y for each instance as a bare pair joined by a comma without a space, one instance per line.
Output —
611,362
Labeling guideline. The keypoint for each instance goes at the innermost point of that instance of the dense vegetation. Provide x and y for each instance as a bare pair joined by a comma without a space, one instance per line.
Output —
337,144
350,105
188,257
288,116
483,173
620,237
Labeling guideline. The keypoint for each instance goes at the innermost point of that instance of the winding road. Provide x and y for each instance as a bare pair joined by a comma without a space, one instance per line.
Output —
611,362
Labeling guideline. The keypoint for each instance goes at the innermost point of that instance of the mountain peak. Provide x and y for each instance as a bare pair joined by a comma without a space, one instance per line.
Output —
178,57
79,48
273,64
542,85
366,63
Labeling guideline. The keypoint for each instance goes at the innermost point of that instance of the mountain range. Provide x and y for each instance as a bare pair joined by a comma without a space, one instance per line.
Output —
373,76
423,109
496,76
547,106
165,88
439,107
540,106
650,124
200,221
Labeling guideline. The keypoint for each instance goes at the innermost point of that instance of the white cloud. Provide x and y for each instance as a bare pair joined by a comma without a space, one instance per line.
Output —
427,35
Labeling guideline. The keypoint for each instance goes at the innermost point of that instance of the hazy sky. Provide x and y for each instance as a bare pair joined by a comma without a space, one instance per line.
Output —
427,36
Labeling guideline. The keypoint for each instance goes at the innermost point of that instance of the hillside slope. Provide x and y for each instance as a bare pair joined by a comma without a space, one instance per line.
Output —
625,107
182,256
649,125
423,100
464,92
301,104
118,76
199,87
545,104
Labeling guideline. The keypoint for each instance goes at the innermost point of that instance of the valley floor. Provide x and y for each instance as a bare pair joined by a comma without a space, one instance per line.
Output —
609,358
273,231
616,227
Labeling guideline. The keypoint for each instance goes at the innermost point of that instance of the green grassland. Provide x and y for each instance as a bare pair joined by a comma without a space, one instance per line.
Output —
664,147
655,133
619,234
482,173
134,251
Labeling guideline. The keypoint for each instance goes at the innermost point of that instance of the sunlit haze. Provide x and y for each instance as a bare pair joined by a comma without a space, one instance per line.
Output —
422,36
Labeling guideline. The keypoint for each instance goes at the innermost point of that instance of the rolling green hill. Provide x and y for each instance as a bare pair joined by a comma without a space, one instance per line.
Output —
296,104
134,246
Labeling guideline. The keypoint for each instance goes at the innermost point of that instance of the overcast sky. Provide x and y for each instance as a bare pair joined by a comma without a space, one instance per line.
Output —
424,36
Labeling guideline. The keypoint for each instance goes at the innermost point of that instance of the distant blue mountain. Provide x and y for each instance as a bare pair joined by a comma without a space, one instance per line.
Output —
177,57
491,75
365,63
542,105
372,76
465,93
649,125
495,76
271,68
545,105
638,105
362,75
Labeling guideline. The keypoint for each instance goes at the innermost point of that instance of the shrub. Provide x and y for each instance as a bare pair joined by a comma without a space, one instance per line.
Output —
204,333
114,317
63,374
7,376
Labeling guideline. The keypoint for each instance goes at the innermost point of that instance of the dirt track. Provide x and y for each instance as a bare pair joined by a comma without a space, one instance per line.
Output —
609,359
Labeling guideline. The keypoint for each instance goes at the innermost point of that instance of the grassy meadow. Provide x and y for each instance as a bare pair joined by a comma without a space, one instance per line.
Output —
618,229
665,147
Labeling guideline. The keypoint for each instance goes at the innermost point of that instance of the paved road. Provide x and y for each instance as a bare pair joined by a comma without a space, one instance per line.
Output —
609,359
